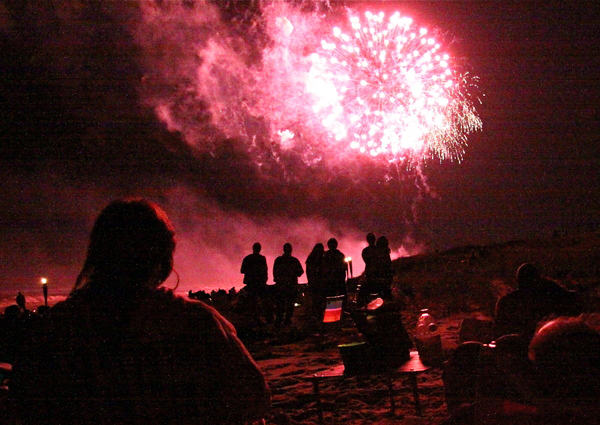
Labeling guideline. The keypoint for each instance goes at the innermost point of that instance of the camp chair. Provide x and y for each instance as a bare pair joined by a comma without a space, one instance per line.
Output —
332,318
5,373
333,309
473,329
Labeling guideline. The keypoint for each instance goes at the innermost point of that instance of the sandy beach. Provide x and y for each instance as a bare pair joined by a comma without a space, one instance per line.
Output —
453,285
288,365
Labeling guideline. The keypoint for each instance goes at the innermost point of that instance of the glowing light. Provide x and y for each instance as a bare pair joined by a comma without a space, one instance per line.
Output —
388,90
287,138
349,271
43,281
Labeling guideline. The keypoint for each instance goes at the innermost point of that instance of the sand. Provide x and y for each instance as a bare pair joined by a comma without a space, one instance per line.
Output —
287,363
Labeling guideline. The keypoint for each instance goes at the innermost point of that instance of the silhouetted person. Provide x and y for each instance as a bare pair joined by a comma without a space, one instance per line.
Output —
12,326
11,312
536,298
254,268
559,384
370,284
314,276
119,350
334,270
565,353
382,268
383,330
20,300
42,310
286,271
255,271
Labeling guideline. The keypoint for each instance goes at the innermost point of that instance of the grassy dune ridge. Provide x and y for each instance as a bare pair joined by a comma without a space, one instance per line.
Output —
472,278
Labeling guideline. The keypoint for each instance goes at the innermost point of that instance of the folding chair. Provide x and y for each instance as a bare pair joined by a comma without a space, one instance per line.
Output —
333,309
332,318
5,409
5,372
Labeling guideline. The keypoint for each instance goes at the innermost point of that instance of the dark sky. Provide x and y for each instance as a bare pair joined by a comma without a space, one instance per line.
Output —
80,88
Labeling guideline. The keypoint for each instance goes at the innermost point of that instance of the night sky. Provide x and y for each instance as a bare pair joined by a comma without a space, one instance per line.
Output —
84,86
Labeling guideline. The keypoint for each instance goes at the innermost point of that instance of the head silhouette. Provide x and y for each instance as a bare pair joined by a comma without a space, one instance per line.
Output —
527,275
371,239
318,247
256,248
12,311
382,242
566,356
131,245
287,248
332,243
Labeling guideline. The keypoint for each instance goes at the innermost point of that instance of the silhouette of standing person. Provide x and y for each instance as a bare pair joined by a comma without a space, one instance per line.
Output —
314,264
369,286
334,270
20,300
286,271
382,268
121,350
255,271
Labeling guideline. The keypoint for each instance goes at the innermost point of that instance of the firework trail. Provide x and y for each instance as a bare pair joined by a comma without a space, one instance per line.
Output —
388,90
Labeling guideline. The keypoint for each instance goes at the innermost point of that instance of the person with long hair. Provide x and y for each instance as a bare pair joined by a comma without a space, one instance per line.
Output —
122,350
314,277
382,268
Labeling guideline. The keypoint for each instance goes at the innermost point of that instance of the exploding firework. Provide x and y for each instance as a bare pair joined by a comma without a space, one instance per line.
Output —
389,91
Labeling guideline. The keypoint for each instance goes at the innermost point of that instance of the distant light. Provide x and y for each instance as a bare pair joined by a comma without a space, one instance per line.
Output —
43,281
348,259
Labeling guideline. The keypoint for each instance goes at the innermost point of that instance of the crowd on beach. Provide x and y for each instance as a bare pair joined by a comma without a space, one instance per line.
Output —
122,350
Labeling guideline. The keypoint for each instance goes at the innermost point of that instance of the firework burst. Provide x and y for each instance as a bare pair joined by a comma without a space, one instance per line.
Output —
389,91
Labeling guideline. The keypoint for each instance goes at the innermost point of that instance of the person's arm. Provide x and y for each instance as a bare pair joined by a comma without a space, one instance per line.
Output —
276,269
265,270
343,263
243,268
243,391
300,270
501,319
229,386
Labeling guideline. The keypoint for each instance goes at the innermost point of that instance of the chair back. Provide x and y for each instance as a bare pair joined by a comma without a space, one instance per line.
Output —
5,372
333,309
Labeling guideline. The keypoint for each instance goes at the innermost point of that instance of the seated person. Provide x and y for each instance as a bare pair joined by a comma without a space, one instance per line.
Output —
120,350
384,333
535,299
560,386
476,370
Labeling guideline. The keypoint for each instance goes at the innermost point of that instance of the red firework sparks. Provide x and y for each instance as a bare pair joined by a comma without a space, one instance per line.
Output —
389,90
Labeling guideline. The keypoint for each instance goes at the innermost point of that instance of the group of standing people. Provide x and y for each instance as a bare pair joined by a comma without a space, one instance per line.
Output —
378,270
262,300
326,273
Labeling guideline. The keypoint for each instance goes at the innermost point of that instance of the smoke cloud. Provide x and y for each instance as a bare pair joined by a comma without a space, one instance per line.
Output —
212,243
